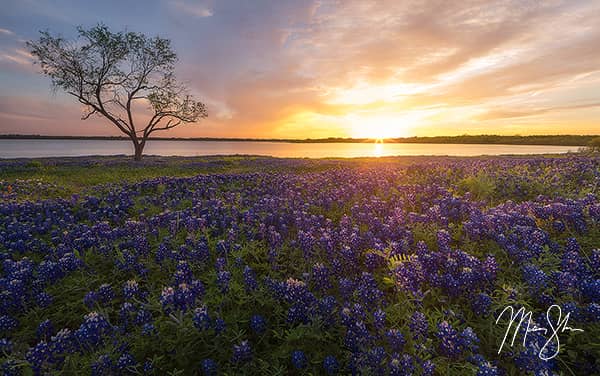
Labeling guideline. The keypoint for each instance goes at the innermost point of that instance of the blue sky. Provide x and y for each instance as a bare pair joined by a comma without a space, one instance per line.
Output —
331,68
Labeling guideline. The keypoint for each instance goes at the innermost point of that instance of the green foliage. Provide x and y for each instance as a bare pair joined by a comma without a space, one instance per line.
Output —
594,145
481,186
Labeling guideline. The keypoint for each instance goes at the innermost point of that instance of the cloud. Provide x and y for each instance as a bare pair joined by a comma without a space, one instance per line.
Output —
18,56
450,54
194,9
6,31
498,113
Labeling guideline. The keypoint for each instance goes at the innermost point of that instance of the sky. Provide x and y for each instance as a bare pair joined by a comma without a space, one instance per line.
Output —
312,69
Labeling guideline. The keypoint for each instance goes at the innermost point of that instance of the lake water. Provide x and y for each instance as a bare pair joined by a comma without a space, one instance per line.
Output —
71,148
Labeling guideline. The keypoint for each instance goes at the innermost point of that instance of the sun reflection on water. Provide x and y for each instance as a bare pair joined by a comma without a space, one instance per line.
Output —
378,151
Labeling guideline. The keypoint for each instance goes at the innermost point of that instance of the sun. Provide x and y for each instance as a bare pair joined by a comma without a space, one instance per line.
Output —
377,127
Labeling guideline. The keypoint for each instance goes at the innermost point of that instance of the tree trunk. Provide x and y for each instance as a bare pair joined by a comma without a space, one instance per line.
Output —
139,148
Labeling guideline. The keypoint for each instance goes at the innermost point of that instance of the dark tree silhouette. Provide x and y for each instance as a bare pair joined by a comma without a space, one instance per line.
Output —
110,72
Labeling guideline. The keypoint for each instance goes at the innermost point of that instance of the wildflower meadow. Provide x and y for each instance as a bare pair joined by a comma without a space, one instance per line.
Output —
264,266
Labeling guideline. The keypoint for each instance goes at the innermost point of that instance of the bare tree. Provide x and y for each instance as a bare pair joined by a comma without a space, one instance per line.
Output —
110,72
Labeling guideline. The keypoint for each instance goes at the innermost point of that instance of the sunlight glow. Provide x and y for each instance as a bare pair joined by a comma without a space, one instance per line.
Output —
378,150
376,126
364,93
391,124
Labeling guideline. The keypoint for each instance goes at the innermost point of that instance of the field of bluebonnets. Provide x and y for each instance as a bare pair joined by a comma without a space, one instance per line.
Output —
291,266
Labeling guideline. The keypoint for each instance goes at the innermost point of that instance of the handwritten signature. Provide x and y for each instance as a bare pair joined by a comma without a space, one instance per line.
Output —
554,328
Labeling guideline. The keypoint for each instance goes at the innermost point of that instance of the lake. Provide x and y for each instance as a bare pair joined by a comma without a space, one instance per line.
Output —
73,148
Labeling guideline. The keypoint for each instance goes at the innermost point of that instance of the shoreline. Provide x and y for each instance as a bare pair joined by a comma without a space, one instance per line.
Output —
541,140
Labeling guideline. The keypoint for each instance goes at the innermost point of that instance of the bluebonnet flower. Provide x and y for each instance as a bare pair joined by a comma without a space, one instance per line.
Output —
595,259
185,297
469,339
125,360
346,287
375,359
250,279
427,368
49,271
258,324
45,329
181,298
593,312
219,325
102,366
590,288
126,313
148,329
10,368
183,273
39,356
209,367
91,331
105,293
242,353
43,299
572,310
7,324
198,288
395,339
395,367
485,368
131,289
147,367
201,319
573,262
450,343
443,240
481,303
418,325
223,278
143,316
63,342
6,346
357,336
559,226
368,292
331,365
70,262
572,246
566,282
379,317
327,307
535,277
220,264
167,297
407,364
299,360
320,276
529,359
373,261
90,299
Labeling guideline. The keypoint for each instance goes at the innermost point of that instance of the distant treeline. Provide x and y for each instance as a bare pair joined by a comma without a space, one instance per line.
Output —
559,140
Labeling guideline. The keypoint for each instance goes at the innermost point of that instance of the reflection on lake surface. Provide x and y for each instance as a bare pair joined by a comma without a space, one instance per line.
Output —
65,148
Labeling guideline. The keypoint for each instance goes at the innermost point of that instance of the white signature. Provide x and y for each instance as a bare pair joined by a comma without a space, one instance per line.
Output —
554,328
